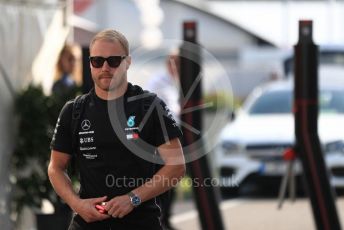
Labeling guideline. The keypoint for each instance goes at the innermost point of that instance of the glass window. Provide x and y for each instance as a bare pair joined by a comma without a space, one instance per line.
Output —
275,102
332,101
272,102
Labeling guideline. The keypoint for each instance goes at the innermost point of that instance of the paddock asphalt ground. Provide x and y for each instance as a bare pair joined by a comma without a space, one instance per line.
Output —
248,214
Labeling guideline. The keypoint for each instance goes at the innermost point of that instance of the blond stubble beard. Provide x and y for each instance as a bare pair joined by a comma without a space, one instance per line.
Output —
112,87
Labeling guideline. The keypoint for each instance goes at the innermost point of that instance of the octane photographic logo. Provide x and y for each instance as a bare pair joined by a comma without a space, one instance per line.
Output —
215,81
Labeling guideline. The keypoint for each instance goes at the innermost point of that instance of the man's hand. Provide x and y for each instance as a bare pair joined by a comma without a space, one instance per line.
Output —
119,206
86,208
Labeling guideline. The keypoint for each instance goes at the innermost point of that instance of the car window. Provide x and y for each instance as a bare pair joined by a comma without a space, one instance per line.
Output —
274,102
326,57
335,58
332,101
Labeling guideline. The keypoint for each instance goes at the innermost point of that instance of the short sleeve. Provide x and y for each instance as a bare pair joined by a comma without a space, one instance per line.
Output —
165,126
62,137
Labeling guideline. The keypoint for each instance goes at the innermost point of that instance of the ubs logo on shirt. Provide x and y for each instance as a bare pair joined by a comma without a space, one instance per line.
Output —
86,140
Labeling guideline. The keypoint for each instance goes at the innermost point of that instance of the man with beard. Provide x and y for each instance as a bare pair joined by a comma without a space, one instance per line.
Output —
118,183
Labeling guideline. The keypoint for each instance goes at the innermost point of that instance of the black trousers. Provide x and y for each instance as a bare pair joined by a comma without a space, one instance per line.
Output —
151,223
166,199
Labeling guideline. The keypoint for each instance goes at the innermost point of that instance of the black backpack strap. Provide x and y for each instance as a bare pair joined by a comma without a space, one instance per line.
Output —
78,109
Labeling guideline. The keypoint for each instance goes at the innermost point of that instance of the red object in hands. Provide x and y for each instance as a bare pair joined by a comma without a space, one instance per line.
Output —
289,154
101,209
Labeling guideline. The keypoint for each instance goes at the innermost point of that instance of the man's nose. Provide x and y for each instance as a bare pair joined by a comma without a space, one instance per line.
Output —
106,66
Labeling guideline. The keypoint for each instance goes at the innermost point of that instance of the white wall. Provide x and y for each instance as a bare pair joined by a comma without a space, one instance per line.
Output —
277,21
214,34
20,35
6,148
123,15
22,31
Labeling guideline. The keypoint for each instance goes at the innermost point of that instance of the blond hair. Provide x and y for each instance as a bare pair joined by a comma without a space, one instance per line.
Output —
67,49
112,36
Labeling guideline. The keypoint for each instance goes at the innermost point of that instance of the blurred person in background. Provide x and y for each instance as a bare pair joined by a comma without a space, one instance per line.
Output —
166,83
65,86
166,86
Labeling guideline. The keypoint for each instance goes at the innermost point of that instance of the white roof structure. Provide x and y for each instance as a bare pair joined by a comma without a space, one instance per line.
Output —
277,21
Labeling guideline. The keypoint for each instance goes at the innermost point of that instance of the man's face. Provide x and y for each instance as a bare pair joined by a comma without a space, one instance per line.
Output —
107,78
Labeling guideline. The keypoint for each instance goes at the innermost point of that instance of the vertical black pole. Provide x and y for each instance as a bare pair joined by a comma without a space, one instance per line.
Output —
306,129
87,82
190,59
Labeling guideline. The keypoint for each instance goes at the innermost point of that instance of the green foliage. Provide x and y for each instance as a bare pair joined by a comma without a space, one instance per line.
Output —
36,114
184,188
220,100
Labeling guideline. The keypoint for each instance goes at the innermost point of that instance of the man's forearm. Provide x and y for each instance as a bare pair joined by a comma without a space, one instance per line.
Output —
63,186
166,178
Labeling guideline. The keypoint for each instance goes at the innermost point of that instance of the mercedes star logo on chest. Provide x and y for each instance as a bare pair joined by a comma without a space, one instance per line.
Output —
85,125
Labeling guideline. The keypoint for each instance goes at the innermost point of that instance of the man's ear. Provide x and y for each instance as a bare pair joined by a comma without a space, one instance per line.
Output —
128,62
